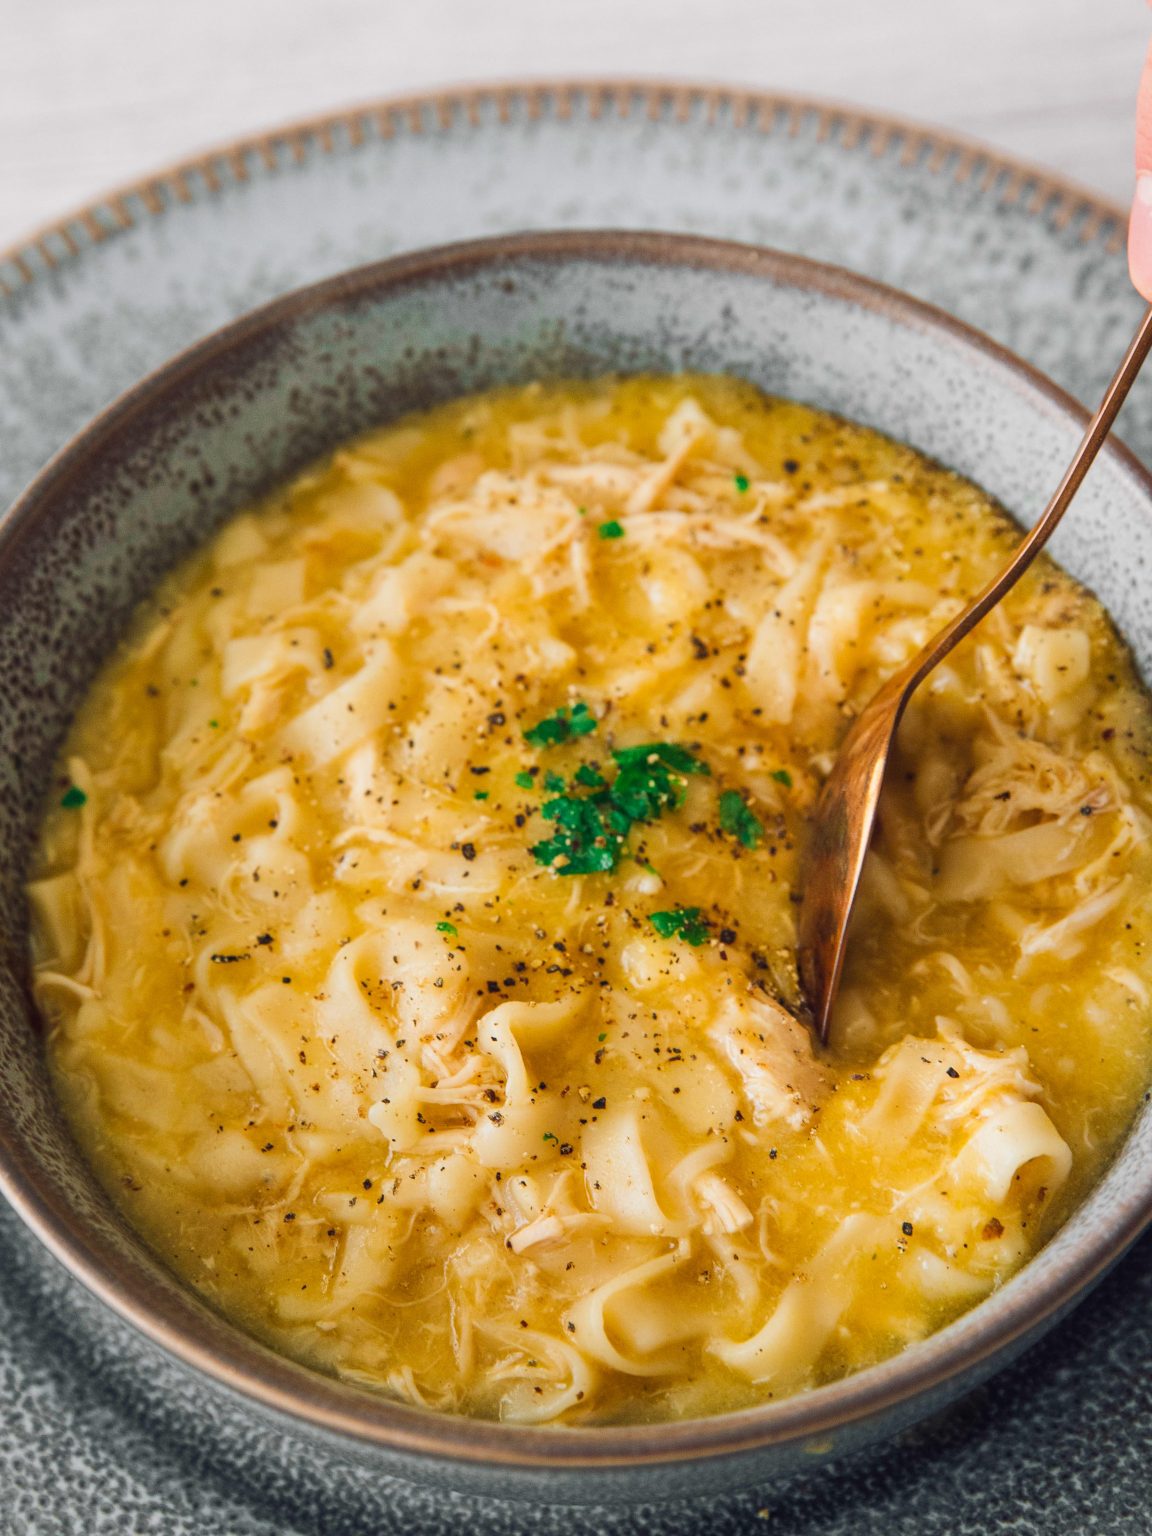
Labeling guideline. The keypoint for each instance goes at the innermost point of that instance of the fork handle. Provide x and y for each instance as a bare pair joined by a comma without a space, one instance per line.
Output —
914,671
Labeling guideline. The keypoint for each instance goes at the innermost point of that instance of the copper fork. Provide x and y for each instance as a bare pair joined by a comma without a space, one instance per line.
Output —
846,810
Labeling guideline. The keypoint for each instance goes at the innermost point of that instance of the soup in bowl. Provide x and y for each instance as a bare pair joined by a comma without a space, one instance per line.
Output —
413,915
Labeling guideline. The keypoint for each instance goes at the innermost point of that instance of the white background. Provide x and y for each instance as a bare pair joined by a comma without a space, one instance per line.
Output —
97,92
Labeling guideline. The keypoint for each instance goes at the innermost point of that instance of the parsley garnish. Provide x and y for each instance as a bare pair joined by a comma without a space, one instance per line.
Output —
681,923
524,780
479,794
565,725
553,783
73,798
590,777
737,819
592,830
611,530
741,482
446,928
782,776
588,839
673,756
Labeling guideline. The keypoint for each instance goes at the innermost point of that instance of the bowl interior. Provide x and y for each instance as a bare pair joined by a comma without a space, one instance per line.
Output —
153,476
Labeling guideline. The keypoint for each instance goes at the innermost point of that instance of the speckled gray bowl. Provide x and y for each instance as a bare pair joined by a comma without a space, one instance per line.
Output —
151,477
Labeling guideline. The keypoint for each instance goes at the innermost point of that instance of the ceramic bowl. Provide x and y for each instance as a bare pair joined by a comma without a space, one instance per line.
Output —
150,479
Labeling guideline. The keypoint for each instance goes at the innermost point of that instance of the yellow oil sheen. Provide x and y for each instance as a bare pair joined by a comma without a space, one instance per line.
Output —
424,1111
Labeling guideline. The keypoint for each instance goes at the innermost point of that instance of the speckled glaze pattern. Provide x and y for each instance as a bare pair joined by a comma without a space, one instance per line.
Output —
101,1432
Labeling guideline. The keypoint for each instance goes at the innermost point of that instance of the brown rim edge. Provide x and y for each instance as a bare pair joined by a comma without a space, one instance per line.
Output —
267,152
347,1412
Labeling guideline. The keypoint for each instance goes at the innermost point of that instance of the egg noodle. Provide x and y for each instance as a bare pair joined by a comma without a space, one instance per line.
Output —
415,922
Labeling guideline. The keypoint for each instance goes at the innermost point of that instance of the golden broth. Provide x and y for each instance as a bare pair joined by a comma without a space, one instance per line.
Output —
402,1096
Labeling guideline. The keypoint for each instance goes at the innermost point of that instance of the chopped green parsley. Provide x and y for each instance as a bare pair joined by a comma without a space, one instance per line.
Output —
782,776
668,753
524,780
553,783
741,482
73,798
589,835
681,923
592,829
611,530
446,928
737,819
480,794
565,725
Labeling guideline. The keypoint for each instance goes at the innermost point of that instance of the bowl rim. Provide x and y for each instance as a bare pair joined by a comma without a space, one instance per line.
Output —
258,1373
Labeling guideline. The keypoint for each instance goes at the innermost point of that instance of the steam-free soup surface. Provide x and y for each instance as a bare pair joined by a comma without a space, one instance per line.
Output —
416,909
